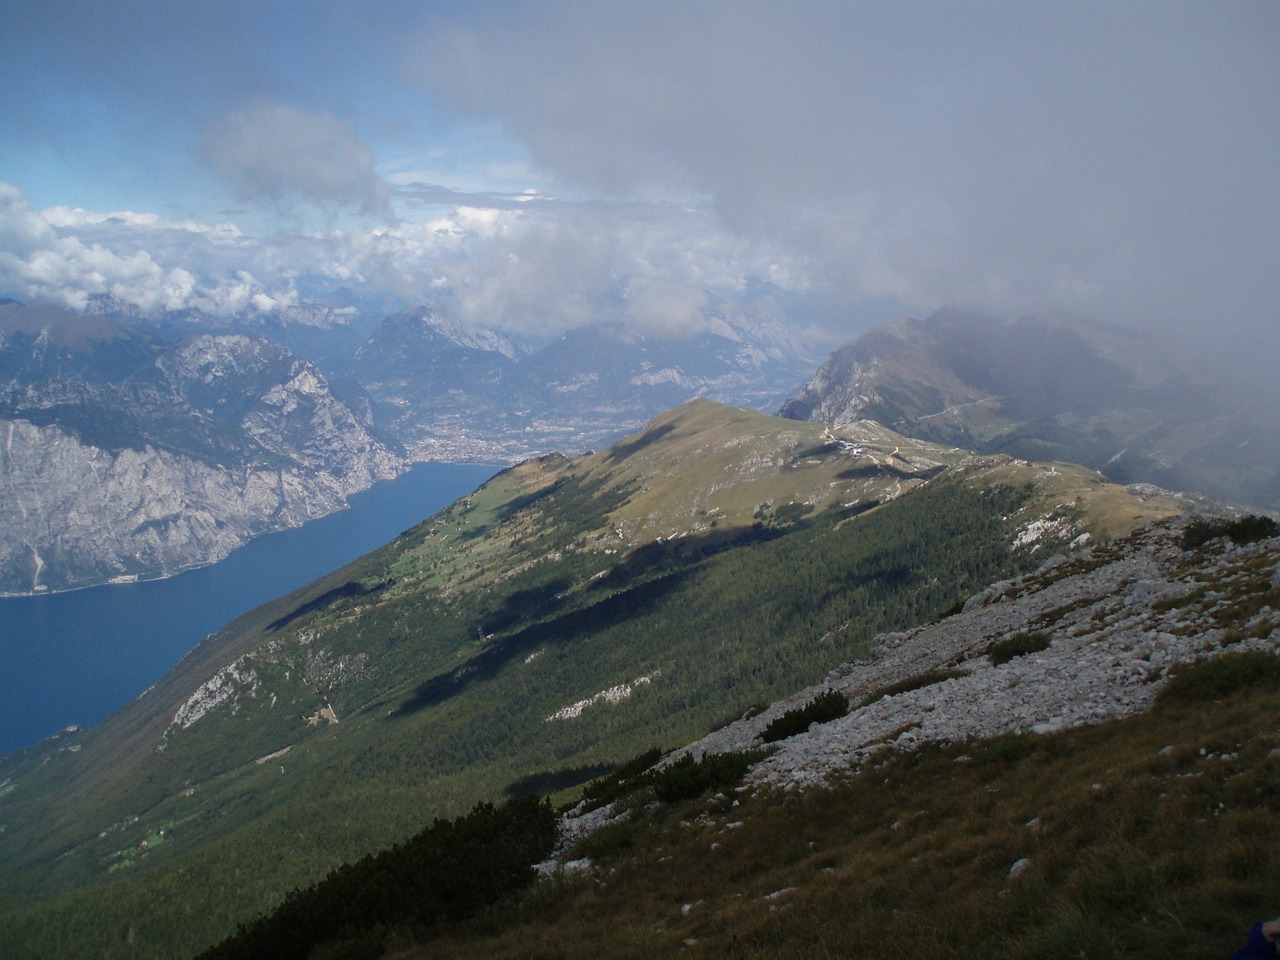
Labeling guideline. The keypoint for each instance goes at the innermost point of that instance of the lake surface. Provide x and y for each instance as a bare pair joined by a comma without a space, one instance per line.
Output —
78,657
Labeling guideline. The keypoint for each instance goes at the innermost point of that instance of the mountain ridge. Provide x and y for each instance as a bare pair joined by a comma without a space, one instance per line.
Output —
1055,388
707,562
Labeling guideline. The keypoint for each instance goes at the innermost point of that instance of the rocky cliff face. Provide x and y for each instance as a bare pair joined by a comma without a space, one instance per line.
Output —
173,465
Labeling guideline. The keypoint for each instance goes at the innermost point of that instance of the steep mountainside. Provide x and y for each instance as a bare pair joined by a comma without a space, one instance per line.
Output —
1055,389
567,614
453,392
1079,763
1083,758
124,456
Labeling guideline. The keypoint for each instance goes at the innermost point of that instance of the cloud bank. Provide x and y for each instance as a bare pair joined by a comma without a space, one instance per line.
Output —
1117,160
537,267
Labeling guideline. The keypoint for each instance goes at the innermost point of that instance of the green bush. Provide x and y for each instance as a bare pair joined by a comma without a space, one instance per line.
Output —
1220,677
449,871
688,778
1247,529
926,679
825,707
621,781
1018,645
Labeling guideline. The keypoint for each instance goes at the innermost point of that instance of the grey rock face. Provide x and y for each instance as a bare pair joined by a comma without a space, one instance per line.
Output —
1118,622
228,438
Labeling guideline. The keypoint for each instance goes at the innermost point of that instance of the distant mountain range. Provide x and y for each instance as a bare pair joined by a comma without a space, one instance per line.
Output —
447,391
138,446
1054,388
188,396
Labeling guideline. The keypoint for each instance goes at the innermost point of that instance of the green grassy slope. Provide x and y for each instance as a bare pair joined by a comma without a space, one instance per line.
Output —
567,614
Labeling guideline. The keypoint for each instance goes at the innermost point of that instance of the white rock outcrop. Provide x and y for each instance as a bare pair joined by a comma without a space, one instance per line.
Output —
1117,622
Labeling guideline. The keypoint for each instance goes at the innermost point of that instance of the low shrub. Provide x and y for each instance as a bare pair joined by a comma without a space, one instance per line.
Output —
1220,677
1018,645
450,871
621,781
1247,529
688,778
825,707
926,679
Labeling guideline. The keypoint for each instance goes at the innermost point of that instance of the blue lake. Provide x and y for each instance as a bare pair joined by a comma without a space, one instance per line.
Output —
78,657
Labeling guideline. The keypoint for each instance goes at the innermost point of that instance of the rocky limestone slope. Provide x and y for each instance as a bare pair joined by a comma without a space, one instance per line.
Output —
1112,623
1117,620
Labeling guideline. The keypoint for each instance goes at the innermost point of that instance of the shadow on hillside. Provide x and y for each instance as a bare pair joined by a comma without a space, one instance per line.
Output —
526,500
663,556
352,588
559,631
528,604
620,451
546,782
872,470
644,578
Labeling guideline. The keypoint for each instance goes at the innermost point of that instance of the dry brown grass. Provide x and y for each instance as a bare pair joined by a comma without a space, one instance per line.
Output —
1134,850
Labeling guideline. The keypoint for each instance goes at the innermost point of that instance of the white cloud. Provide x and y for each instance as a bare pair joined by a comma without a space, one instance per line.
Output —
666,307
538,268
68,256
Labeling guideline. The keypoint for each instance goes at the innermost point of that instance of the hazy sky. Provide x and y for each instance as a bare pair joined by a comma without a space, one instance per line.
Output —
533,165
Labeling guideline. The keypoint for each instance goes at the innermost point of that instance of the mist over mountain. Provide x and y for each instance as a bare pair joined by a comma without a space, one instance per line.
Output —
1131,404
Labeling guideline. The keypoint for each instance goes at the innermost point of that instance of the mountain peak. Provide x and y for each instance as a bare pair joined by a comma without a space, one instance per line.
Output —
462,334
1054,388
